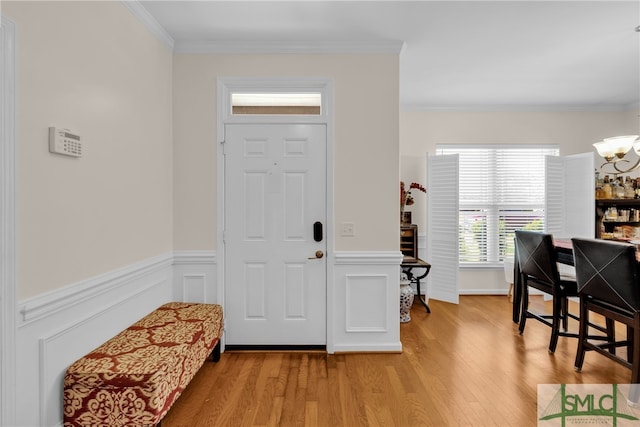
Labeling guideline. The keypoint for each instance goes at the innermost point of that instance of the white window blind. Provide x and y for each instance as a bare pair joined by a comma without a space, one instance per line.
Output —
501,189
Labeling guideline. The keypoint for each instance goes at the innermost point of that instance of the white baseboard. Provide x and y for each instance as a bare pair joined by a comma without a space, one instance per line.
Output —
371,347
490,291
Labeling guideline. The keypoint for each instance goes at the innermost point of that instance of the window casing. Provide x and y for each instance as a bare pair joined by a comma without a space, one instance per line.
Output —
501,189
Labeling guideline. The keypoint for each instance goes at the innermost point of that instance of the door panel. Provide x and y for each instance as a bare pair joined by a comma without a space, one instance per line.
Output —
275,190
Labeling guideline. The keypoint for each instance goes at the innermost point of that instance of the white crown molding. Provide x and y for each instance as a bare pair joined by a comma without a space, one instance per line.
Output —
372,257
292,47
633,106
150,22
516,108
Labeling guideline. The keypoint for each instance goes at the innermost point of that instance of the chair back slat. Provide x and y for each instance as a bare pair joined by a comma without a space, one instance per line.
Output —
607,271
537,257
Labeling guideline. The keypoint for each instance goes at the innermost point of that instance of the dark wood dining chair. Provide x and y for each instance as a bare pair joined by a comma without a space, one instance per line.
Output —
538,269
608,284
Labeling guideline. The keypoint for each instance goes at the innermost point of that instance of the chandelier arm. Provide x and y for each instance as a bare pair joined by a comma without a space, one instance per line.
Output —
616,170
631,168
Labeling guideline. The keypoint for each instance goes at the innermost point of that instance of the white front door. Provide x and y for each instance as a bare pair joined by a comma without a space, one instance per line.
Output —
275,234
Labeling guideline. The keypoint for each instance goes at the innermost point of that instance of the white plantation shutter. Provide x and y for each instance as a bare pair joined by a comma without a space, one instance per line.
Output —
501,189
570,206
580,201
442,227
554,207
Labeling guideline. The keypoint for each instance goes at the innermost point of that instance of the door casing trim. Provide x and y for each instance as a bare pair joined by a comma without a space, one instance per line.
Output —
8,286
225,87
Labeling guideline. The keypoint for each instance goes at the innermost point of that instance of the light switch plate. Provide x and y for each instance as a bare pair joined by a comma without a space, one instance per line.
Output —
348,229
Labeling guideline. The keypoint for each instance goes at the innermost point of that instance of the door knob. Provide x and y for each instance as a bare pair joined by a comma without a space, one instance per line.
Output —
319,254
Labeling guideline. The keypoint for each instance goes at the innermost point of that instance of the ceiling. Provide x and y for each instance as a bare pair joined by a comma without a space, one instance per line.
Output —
456,55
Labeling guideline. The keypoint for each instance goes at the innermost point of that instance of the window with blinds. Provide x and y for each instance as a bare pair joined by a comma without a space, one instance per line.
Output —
501,189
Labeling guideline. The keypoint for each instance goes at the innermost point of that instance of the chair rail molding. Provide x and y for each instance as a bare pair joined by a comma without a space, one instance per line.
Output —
368,257
194,257
45,305
7,223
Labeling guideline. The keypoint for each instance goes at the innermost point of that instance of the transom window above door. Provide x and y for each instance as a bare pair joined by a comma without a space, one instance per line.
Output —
277,103
274,100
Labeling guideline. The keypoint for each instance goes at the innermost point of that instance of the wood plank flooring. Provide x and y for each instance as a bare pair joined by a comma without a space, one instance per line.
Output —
461,365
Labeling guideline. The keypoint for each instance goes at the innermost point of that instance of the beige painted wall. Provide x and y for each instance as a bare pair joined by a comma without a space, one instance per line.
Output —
93,68
366,130
575,132
632,122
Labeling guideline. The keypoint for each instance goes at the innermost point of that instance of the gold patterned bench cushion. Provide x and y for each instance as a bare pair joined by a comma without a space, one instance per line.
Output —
134,378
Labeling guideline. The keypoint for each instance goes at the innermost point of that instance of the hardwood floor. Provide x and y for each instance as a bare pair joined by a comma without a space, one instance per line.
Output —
462,365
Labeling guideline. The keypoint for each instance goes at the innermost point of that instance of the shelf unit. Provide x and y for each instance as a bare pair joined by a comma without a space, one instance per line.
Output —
409,240
621,204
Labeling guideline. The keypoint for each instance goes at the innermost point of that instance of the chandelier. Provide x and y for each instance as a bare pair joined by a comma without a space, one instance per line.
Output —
615,148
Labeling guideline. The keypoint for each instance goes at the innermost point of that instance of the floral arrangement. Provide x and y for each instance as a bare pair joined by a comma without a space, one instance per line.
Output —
406,199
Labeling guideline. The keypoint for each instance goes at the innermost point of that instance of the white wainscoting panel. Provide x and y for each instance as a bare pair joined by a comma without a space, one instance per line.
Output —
195,276
194,287
366,302
56,329
366,318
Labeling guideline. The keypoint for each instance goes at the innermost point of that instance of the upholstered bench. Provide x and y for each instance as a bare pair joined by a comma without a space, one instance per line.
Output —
135,377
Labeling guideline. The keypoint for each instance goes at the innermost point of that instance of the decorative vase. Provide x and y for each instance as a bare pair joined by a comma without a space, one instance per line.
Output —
406,298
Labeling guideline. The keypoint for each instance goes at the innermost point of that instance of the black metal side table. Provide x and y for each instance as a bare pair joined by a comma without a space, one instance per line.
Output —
408,264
